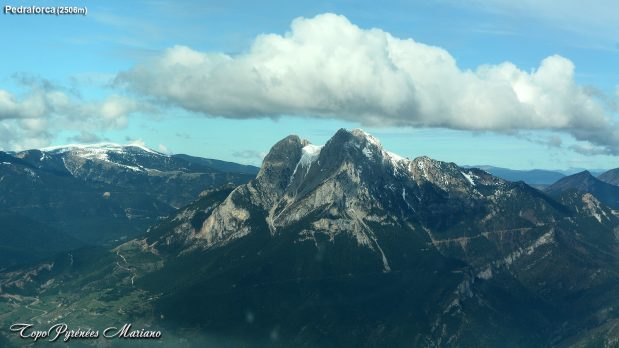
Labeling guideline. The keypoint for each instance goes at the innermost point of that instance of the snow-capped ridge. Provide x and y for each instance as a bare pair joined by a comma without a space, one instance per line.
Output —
391,156
112,147
396,157
101,152
358,132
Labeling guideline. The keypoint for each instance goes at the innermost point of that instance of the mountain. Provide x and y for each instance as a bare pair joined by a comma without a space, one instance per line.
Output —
99,194
175,179
610,177
347,245
531,177
574,170
587,183
222,166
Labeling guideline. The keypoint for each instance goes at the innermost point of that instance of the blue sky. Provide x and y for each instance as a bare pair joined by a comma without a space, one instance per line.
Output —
107,76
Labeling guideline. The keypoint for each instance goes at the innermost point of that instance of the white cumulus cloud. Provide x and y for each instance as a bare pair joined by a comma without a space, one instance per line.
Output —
33,117
327,67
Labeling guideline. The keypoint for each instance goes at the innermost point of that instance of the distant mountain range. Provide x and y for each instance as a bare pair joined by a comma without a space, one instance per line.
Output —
540,178
96,194
350,245
531,177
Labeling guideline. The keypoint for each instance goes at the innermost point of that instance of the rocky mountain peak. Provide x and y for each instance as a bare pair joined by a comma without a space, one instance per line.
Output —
582,181
585,174
350,180
283,153
358,148
356,137
279,164
363,135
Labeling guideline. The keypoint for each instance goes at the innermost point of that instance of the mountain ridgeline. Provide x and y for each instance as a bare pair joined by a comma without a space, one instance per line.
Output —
611,177
96,194
586,183
347,245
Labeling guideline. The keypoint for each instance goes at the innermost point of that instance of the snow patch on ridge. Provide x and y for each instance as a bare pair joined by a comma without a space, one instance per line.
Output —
361,133
395,157
309,155
468,178
396,160
369,150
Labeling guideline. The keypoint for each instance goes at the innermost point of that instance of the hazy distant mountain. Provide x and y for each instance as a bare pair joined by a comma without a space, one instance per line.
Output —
531,177
350,245
99,193
222,166
610,177
572,171
586,183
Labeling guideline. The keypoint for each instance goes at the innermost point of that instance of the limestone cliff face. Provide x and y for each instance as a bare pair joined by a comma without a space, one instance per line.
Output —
231,219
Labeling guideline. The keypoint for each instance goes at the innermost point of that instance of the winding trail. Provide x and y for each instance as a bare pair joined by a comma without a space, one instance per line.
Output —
35,302
485,234
132,272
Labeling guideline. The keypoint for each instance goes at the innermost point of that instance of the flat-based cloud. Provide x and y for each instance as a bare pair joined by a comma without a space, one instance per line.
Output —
327,67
